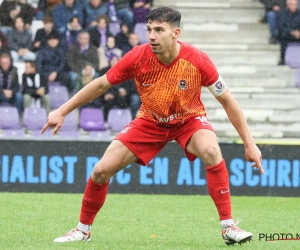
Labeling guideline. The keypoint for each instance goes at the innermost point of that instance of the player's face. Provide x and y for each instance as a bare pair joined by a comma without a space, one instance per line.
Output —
161,36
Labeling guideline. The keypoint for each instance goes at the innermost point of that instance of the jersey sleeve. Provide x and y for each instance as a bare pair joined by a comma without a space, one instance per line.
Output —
123,70
209,72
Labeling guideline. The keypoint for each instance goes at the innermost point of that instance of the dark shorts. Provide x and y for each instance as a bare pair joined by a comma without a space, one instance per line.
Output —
145,139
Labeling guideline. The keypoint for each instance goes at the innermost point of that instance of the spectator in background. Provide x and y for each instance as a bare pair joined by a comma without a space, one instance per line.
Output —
3,44
87,75
35,87
9,83
105,54
64,12
3,40
46,8
81,53
123,95
133,40
100,32
19,42
122,36
34,6
140,9
92,10
120,9
10,10
42,34
289,27
272,8
50,62
111,98
70,36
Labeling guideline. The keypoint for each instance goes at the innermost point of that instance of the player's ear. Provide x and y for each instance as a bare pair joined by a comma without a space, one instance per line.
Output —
176,32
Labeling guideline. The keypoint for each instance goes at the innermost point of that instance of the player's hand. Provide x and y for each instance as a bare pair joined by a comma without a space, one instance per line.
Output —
253,155
56,120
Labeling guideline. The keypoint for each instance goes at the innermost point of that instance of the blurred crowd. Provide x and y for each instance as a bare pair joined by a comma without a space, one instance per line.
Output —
79,41
283,18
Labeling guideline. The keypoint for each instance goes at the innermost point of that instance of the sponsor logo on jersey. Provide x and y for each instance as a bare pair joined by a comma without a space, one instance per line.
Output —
170,118
182,85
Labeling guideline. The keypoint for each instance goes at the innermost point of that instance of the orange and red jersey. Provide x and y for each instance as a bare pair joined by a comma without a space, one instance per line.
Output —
170,94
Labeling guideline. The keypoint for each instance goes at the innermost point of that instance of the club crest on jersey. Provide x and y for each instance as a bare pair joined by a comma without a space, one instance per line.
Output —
182,85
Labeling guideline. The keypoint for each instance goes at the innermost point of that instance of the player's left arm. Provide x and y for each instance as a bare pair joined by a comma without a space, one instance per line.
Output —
236,117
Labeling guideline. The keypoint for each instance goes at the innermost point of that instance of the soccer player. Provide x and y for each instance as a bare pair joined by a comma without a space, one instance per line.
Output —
169,75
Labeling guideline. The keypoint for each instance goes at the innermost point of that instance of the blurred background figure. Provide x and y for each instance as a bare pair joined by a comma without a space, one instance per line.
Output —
289,27
70,36
122,36
87,75
122,95
119,10
19,42
93,9
3,44
46,7
35,87
272,8
100,32
140,9
106,53
9,83
133,40
42,34
50,63
79,54
10,10
63,12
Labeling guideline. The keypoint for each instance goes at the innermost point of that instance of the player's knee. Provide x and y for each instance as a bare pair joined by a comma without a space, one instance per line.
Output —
211,155
101,173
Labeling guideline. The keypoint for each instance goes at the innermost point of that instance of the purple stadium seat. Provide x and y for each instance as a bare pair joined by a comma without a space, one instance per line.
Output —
58,95
114,28
9,118
91,119
34,118
298,78
100,135
14,133
118,118
141,30
6,104
292,55
70,123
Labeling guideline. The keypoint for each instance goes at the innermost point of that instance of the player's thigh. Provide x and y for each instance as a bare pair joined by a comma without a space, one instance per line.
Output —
204,144
116,157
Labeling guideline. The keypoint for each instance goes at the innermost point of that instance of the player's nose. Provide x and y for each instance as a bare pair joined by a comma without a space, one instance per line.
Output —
151,36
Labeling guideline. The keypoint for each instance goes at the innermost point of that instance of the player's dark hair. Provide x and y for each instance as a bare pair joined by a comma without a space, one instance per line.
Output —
164,14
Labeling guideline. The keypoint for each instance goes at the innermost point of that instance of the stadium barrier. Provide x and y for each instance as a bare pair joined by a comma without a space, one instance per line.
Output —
64,166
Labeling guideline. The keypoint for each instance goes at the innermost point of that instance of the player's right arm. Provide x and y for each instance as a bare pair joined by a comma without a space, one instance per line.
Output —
92,90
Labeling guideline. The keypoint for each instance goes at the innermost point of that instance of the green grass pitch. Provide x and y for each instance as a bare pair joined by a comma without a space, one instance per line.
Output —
32,221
